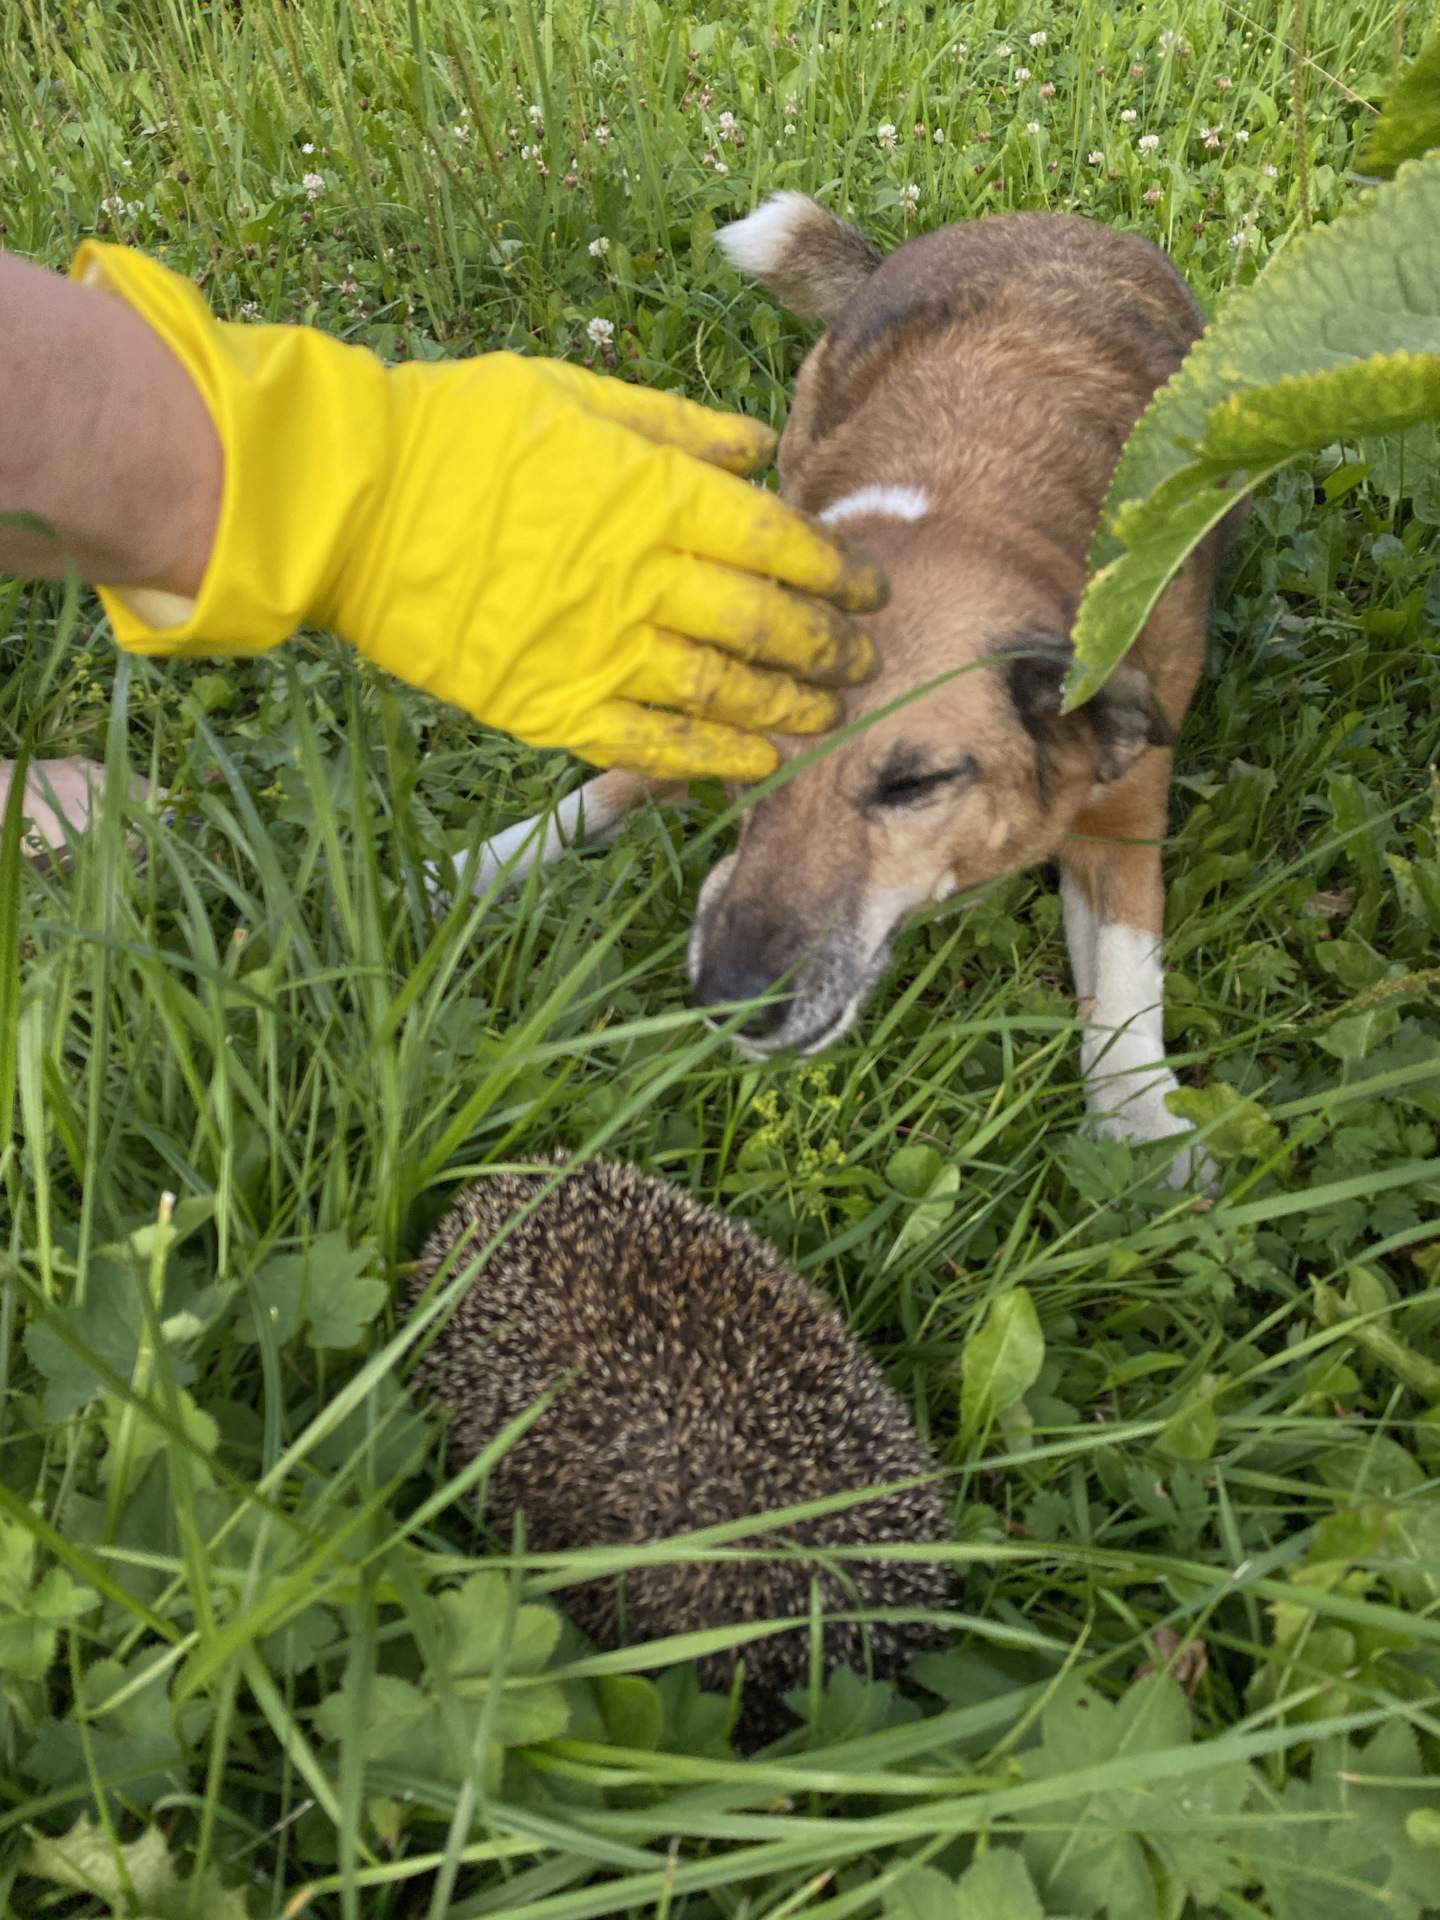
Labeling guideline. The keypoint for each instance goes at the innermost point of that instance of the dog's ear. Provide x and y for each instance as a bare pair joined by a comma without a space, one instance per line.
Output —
1124,718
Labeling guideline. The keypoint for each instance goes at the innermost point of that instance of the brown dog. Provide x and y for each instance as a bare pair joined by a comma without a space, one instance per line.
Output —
961,419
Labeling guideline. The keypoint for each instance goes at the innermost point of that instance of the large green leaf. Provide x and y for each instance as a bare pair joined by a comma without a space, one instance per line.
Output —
1410,124
1339,337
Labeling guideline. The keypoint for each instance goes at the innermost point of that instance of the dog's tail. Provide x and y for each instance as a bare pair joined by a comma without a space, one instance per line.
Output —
811,260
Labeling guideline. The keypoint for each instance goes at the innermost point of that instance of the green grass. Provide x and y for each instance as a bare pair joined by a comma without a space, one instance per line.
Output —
226,1542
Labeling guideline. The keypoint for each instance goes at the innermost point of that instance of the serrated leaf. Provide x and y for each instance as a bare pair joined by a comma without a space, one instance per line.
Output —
997,1886
472,1625
143,1731
1409,124
109,1326
1001,1360
31,1615
1342,326
1240,1129
321,1289
1340,1866
923,1894
1101,1850
148,1437
86,1860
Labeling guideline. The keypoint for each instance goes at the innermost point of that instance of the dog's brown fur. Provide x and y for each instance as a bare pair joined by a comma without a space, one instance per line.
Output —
995,369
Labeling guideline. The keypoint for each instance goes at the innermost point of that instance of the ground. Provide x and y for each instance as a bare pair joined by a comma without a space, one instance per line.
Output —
232,1568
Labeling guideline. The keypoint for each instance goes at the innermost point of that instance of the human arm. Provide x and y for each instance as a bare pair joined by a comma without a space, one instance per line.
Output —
105,439
558,553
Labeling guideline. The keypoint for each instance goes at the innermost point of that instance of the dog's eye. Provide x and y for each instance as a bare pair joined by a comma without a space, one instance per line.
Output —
908,790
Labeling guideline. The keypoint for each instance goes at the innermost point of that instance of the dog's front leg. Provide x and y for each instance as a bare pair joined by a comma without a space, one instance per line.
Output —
1114,901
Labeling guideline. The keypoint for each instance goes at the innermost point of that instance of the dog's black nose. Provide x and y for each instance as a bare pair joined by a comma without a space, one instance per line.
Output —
726,977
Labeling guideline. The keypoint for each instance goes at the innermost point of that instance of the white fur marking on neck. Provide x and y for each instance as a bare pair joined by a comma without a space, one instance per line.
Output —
758,243
894,503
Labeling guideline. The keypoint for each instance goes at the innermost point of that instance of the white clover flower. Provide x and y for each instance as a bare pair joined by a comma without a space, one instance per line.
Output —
1271,173
1242,134
792,107
113,205
1038,39
726,126
461,133
1032,126
1148,142
314,185
250,309
309,147
527,152
790,127
939,136
1168,42
536,115
599,248
1097,159
1150,196
1022,74
1224,83
1129,117
959,49
1244,238
885,133
911,198
720,167
1047,92
602,133
1003,53
601,332
1211,136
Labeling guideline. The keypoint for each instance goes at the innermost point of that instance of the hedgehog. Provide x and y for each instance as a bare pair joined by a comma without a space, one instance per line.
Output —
710,1384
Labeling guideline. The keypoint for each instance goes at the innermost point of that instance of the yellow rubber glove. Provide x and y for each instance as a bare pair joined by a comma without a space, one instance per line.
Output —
558,553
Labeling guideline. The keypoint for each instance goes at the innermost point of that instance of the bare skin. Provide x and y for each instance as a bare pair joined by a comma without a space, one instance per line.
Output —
105,439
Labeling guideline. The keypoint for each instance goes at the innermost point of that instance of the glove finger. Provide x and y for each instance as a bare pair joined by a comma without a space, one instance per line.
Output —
672,746
711,685
730,440
721,518
763,621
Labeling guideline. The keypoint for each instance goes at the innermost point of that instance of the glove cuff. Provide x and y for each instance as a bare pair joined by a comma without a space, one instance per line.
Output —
306,428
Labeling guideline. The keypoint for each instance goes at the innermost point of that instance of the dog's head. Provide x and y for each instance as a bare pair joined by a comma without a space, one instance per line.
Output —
976,777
